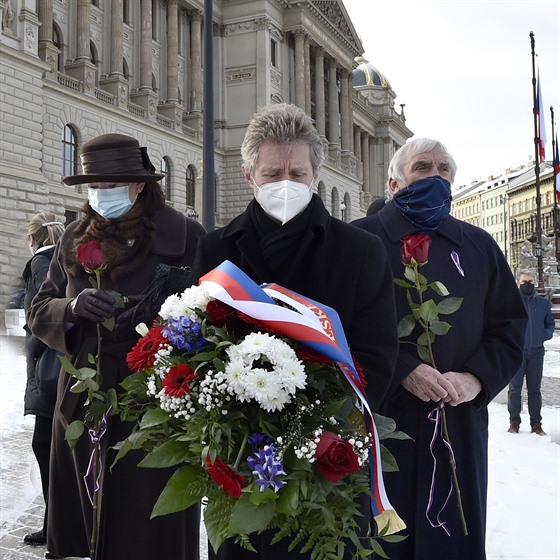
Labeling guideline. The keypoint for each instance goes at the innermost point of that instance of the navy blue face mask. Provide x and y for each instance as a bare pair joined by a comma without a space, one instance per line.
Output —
425,202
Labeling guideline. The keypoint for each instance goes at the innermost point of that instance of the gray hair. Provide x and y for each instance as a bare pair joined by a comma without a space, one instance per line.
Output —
410,149
282,123
526,272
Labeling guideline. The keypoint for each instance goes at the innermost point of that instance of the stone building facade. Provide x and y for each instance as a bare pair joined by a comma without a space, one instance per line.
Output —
73,69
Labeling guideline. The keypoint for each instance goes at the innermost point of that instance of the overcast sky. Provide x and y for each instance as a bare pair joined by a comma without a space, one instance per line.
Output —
463,69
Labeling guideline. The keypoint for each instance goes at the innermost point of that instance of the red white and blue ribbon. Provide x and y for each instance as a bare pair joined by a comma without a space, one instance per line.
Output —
317,326
91,478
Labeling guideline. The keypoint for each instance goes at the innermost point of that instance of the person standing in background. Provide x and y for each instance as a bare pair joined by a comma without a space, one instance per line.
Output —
43,231
540,327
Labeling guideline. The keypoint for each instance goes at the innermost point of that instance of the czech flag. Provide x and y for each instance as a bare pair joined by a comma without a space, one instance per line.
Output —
541,128
557,172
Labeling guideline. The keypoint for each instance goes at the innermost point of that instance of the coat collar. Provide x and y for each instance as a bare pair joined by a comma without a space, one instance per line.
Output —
397,226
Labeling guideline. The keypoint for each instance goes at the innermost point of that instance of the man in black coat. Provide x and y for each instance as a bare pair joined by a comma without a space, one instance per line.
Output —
286,236
475,359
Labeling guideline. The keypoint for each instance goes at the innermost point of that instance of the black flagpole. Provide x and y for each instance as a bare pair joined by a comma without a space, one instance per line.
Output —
555,216
208,181
538,228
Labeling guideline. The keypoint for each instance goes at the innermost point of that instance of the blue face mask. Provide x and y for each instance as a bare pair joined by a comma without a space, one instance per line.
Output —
110,203
425,202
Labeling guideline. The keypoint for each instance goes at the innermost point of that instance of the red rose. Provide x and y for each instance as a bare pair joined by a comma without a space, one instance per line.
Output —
335,457
221,314
90,256
176,382
225,477
143,353
415,247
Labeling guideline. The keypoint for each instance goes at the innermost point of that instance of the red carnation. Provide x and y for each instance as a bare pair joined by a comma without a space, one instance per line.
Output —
143,353
225,477
335,457
91,257
176,382
415,247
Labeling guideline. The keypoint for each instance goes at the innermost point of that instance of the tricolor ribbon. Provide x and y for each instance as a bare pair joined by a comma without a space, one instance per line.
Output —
314,325
91,479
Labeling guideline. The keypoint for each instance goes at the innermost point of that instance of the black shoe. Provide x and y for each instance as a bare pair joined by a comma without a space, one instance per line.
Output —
37,538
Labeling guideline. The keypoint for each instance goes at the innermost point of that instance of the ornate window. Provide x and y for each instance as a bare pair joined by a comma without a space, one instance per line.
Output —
69,152
190,184
166,180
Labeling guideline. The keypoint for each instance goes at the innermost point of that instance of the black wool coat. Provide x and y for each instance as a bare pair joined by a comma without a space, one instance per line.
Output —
485,339
34,274
335,264
128,493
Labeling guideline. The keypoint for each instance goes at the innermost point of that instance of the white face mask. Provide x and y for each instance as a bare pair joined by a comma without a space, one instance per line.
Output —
283,200
110,203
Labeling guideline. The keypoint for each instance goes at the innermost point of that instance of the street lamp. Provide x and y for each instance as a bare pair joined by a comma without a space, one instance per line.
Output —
193,214
342,211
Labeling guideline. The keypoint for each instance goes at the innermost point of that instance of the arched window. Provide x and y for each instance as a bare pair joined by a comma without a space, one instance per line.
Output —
191,183
57,42
321,191
166,180
69,152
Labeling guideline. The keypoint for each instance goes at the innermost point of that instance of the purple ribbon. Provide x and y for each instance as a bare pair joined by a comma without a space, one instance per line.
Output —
435,418
92,484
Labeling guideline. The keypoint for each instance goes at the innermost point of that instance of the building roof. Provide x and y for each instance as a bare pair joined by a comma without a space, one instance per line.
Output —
366,74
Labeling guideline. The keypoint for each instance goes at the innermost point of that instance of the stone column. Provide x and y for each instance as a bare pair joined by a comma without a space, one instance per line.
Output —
344,112
172,109
82,68
196,61
117,29
366,187
307,71
47,51
358,144
299,69
83,30
320,91
334,125
145,97
116,83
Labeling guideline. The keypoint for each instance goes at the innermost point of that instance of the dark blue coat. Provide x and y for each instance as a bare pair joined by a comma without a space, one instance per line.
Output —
485,339
540,326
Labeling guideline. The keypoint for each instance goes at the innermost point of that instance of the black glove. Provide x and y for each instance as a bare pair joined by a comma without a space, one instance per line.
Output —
92,305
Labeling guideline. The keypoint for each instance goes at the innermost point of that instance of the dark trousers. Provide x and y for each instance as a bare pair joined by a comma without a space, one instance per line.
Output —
531,370
41,445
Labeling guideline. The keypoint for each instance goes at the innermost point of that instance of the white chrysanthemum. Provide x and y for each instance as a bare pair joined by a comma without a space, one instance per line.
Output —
195,297
171,307
261,385
272,387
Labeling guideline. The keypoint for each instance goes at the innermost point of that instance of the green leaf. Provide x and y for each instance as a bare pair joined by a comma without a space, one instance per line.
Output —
184,488
288,499
439,288
73,432
78,387
166,455
119,302
109,323
154,417
424,354
439,327
449,305
258,497
216,519
388,461
425,339
247,517
429,310
93,282
69,367
384,425
406,326
402,283
409,274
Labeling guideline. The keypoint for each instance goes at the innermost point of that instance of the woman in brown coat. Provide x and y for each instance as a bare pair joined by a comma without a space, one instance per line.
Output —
126,213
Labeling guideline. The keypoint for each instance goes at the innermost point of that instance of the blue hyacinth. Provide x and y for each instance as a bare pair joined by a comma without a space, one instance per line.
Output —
267,469
258,441
184,334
